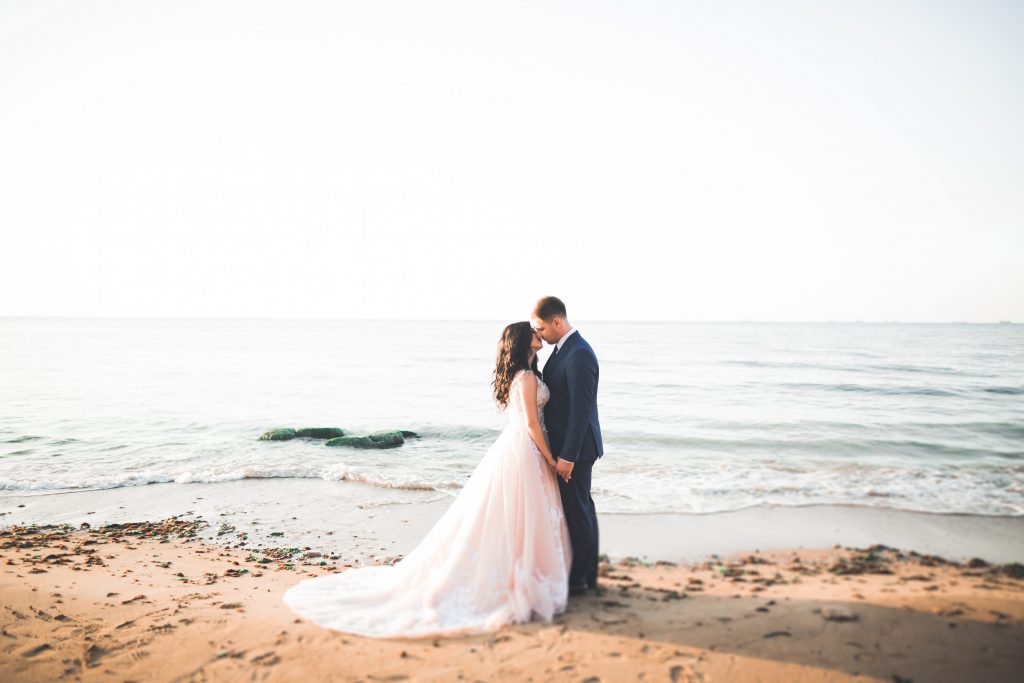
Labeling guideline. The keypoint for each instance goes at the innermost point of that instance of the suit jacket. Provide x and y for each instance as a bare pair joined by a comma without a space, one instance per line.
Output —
571,413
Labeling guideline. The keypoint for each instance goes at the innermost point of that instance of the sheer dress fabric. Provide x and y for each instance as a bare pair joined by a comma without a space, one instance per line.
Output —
500,554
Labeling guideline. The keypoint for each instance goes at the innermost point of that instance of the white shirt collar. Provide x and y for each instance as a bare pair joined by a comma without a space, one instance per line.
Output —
564,337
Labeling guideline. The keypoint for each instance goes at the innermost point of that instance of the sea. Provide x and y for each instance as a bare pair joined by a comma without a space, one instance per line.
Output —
696,417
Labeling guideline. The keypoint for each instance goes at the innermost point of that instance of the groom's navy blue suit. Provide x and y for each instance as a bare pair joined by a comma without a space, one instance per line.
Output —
575,434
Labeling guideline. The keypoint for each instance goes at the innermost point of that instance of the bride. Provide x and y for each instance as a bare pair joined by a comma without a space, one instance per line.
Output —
500,554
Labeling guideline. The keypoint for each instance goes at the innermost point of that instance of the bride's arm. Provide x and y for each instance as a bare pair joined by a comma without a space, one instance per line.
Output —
528,395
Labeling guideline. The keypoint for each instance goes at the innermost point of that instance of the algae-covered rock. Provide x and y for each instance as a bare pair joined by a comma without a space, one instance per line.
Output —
377,440
319,433
409,435
389,439
284,434
351,442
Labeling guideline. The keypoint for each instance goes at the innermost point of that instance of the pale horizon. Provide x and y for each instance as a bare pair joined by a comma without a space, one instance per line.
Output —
492,319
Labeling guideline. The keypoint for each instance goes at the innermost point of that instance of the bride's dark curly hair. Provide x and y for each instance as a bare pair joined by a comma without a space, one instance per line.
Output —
513,356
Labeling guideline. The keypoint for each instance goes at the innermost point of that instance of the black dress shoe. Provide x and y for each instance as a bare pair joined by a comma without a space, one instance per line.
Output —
576,591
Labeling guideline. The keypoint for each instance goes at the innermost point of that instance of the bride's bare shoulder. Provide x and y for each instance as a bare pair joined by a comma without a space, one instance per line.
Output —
527,378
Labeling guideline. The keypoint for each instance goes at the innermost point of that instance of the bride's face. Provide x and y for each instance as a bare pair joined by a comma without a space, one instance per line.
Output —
535,342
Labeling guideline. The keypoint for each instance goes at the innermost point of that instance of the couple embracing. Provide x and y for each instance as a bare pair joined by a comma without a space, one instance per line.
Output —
522,534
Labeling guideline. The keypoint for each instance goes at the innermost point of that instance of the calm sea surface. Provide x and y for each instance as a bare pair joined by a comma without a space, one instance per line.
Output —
697,417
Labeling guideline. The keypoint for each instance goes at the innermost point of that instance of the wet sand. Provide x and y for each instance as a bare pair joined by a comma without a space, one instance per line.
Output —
162,601
362,523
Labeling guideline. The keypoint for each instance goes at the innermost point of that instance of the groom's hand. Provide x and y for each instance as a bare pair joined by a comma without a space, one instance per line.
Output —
563,468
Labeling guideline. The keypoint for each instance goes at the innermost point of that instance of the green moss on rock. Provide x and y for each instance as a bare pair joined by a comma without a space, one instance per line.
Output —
285,434
350,442
390,439
319,433
377,440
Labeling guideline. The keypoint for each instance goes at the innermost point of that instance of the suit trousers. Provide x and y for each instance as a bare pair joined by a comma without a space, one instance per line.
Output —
581,518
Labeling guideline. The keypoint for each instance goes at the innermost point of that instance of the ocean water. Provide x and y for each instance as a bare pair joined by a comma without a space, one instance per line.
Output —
697,417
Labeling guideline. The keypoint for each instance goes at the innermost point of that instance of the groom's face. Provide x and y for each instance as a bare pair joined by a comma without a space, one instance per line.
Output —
550,330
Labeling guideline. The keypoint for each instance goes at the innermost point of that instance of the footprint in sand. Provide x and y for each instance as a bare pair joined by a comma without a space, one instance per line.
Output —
675,674
266,659
38,649
136,655
93,654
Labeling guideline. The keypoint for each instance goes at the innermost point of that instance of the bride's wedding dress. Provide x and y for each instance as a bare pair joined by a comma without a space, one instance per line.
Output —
500,554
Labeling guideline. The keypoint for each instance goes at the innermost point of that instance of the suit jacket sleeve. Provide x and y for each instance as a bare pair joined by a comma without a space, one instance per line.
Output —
581,377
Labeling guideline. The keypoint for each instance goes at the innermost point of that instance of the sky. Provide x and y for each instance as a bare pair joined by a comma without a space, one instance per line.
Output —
642,160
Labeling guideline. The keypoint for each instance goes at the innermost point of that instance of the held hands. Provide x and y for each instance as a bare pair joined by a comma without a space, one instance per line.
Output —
563,468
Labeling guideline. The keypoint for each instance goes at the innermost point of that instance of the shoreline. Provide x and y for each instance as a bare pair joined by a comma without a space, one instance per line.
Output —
156,601
366,524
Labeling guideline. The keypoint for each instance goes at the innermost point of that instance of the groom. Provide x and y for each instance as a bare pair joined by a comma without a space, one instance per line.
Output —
571,418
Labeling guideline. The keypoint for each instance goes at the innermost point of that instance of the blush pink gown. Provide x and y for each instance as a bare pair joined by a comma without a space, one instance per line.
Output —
500,554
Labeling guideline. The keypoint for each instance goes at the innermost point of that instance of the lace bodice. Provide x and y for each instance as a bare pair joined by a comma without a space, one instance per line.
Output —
517,410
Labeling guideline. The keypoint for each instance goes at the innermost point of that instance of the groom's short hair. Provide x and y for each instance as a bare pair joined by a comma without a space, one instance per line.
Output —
548,307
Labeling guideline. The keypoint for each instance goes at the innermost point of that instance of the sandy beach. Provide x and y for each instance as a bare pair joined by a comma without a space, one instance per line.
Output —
158,601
